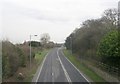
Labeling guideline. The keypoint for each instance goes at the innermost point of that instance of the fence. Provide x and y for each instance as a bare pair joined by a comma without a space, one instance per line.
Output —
113,71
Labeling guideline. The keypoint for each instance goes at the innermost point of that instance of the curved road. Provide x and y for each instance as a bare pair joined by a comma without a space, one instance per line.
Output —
57,68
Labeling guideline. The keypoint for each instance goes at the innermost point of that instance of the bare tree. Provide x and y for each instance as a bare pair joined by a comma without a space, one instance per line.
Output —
111,15
45,38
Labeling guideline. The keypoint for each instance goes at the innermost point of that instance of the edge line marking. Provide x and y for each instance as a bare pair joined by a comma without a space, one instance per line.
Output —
41,68
76,68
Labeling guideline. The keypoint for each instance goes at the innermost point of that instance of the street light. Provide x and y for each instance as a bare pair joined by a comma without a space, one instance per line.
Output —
30,48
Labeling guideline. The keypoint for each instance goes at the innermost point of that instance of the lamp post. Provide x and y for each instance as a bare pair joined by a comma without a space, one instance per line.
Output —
30,48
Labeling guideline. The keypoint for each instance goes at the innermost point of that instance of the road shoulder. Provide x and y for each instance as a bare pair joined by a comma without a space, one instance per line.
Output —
37,74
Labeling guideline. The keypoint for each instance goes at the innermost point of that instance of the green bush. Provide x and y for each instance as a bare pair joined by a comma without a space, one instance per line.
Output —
109,49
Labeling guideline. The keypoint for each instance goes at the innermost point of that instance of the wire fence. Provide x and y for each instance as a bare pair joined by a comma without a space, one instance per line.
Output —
114,71
110,69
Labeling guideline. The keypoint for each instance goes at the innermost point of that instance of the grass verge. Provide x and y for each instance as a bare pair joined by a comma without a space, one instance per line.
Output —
82,67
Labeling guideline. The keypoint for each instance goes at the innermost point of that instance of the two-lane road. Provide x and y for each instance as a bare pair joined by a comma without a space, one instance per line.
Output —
57,68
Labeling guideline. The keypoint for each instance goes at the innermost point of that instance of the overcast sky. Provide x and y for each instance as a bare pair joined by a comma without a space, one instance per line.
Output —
59,18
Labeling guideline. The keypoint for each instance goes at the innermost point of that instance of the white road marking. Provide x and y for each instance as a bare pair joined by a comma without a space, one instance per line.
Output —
41,68
52,74
53,77
66,74
76,68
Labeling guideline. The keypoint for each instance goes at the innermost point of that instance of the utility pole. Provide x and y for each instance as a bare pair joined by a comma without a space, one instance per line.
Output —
30,48
30,51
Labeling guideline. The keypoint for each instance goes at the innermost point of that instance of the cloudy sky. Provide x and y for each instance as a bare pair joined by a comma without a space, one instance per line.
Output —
21,18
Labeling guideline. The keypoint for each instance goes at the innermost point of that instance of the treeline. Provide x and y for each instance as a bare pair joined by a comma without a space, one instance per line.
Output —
97,39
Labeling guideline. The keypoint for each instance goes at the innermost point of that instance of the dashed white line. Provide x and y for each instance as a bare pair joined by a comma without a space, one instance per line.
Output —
52,78
52,74
66,74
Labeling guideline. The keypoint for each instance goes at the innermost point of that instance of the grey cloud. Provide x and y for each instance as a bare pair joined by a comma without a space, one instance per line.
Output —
56,17
33,13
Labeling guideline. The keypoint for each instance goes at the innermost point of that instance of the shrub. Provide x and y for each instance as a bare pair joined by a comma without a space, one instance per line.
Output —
15,56
22,57
10,58
109,49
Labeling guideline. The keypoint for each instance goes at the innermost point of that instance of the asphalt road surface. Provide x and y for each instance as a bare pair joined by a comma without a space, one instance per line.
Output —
57,68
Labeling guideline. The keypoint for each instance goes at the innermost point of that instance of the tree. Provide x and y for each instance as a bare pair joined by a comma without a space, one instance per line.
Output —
45,38
109,49
111,16
85,40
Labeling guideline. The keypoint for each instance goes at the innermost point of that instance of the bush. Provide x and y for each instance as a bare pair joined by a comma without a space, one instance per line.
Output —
10,58
22,57
109,49
15,56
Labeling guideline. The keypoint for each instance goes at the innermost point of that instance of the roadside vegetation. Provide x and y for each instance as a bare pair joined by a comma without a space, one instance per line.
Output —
16,59
96,43
36,63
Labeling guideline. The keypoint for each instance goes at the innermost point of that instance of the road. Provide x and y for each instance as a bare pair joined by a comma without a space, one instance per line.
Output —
57,68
